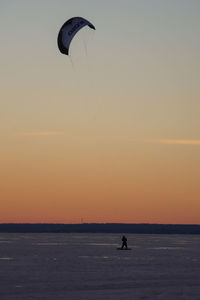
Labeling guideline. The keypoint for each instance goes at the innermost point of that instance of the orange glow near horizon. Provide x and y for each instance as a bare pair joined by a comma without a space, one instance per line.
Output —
104,186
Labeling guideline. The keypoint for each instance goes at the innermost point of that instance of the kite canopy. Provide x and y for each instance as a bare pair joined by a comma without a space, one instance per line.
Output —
69,30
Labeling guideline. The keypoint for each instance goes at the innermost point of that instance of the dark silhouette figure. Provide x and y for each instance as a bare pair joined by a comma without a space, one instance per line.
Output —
124,242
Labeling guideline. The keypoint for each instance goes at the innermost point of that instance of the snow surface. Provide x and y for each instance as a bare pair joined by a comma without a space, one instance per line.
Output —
88,266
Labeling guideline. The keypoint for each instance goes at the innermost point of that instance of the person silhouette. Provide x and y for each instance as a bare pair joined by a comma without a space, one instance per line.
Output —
124,242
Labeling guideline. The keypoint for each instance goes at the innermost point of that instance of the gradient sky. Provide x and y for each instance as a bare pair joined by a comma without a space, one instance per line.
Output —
111,134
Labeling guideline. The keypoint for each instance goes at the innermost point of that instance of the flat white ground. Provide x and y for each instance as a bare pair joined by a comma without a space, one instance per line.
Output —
88,266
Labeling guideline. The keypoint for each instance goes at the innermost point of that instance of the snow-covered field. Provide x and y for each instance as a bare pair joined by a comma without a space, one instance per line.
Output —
88,266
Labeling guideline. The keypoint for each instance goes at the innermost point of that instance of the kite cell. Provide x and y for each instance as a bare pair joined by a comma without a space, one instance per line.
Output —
69,30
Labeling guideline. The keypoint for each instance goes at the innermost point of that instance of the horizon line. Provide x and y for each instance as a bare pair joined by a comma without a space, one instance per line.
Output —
98,223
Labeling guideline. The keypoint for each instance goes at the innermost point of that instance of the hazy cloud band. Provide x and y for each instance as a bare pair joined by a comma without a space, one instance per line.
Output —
43,133
173,142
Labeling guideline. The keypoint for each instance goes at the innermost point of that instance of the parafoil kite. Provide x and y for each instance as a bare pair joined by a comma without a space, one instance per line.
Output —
69,30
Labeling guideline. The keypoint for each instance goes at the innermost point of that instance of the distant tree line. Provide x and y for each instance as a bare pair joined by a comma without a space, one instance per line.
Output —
102,228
